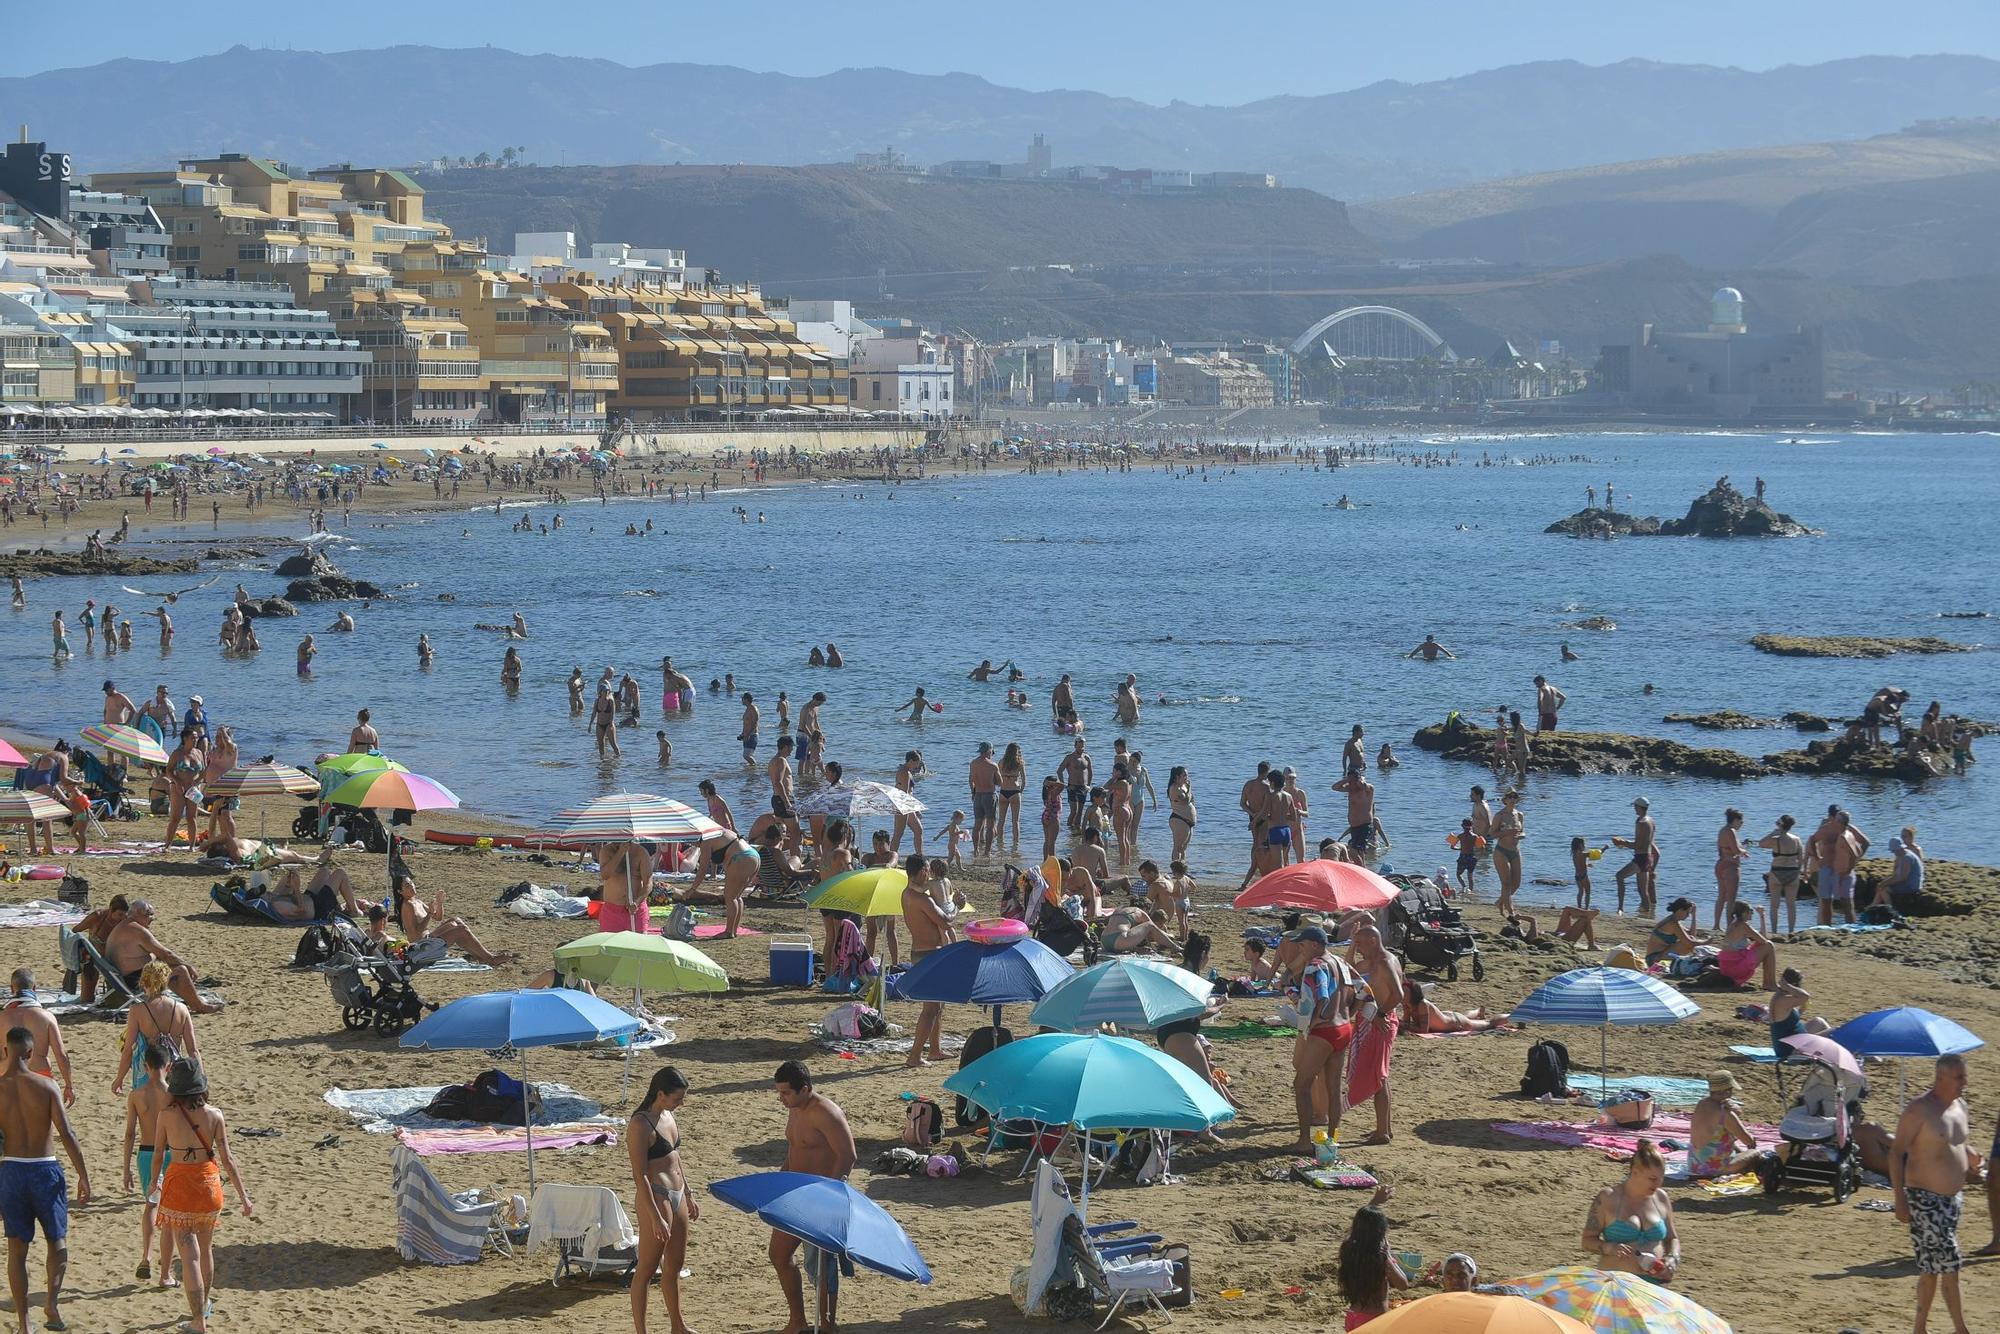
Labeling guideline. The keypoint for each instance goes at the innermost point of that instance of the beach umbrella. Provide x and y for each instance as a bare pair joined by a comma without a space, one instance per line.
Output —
128,451
130,742
33,806
9,755
356,762
1904,1031
1610,1302
394,789
1475,1313
213,450
1091,1081
1131,993
379,445
970,972
1321,885
644,961
863,798
831,1215
866,891
1819,1047
509,1022
263,779
1604,999
627,817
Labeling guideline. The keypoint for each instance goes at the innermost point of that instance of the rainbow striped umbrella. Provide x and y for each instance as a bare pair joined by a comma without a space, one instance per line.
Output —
34,806
130,742
626,817
263,779
1609,1302
394,790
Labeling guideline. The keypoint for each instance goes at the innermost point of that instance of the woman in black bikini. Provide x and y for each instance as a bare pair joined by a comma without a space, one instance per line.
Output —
664,1203
1180,809
1013,781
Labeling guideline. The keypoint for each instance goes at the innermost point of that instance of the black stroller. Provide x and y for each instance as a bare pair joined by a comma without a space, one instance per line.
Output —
373,990
1818,1135
1431,934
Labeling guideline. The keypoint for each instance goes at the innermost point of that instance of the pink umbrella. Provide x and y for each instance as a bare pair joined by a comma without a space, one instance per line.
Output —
9,755
1323,886
1824,1049
217,449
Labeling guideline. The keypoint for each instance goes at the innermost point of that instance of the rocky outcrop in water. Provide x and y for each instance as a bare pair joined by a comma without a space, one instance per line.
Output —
334,587
1839,755
1721,511
1729,720
1853,646
305,565
30,563
1589,752
264,608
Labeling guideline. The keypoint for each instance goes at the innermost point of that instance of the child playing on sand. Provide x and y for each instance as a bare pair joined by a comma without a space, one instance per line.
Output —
954,835
1579,860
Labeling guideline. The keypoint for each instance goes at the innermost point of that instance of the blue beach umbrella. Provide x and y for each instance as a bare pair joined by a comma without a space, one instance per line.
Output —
512,1021
831,1215
967,972
1131,993
1604,999
1905,1030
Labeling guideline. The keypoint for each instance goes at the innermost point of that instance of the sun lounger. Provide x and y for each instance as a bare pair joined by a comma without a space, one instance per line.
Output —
434,1227
587,1228
113,994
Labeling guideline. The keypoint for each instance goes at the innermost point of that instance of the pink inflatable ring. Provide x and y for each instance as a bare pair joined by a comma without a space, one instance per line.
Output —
996,930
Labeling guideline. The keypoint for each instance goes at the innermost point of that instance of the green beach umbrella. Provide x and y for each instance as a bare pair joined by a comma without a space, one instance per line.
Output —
868,891
647,962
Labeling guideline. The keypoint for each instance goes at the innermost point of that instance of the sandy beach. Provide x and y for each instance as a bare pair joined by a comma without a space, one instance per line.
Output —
323,1236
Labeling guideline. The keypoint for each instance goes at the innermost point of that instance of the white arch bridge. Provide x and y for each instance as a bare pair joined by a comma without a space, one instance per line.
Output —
1377,333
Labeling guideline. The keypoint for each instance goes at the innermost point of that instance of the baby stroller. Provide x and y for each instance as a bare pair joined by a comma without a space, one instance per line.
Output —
104,784
373,990
1818,1134
1432,934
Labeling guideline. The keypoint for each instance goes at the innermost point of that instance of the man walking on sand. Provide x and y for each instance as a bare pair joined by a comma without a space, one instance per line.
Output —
818,1142
930,930
32,1188
1375,1035
1927,1162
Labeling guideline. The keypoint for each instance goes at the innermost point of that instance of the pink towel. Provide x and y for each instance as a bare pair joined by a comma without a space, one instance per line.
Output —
1617,1141
503,1139
710,930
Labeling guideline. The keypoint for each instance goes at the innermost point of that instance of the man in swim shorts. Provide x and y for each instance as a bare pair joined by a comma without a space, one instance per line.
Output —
1837,847
1927,1165
1075,773
1548,702
1326,1002
1375,1034
930,930
1361,823
32,1188
983,778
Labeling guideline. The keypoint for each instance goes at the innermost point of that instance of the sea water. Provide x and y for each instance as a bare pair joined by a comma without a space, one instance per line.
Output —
1268,620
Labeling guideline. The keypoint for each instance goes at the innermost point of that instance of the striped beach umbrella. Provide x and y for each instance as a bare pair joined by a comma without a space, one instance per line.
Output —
1608,1302
625,817
1131,993
394,790
1604,999
130,742
356,762
33,806
263,779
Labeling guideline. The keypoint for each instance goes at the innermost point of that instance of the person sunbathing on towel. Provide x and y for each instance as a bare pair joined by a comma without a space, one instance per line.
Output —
422,920
253,852
326,876
1129,930
1422,1015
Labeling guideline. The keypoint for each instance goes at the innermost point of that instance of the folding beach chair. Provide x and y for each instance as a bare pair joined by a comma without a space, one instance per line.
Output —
587,1228
1114,1268
433,1226
113,994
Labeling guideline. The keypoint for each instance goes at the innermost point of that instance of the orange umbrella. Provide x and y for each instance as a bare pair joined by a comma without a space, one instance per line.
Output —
1323,886
1474,1313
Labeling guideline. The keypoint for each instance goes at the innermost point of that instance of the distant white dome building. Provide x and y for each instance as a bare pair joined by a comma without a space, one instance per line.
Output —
1726,311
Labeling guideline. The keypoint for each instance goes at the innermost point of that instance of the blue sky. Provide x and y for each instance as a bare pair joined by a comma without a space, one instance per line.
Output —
1158,51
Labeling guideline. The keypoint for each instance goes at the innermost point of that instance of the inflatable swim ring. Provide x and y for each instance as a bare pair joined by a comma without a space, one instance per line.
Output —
996,930
43,873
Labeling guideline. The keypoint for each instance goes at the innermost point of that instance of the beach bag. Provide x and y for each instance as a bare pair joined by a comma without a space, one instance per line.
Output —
1624,956
854,1022
1142,1156
923,1123
1548,1070
679,924
75,890
317,946
1632,1109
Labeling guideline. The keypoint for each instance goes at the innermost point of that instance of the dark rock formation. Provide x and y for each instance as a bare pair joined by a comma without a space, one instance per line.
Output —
1852,646
1807,722
1840,755
261,608
1722,511
1722,720
1591,623
1590,752
334,587
305,565
29,563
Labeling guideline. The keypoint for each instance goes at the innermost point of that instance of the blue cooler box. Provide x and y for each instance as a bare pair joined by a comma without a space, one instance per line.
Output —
792,960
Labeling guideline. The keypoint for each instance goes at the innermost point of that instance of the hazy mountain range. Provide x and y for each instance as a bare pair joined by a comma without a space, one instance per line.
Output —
410,103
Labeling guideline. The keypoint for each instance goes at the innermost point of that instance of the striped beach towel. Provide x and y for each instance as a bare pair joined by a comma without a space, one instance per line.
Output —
430,1225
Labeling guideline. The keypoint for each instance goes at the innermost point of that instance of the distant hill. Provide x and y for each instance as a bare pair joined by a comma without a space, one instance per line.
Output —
1923,203
792,225
406,104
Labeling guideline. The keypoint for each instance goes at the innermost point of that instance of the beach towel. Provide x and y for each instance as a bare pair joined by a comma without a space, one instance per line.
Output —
1743,1183
1851,928
868,1046
453,963
381,1111
1762,1055
39,912
538,901
1618,1143
1465,1033
1246,1029
503,1139
710,930
1368,1064
120,850
1667,1090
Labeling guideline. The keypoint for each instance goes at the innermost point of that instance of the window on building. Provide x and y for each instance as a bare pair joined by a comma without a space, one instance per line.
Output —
876,387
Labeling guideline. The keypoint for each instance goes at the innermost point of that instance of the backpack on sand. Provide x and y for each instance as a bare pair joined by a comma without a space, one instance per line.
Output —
923,1123
1548,1070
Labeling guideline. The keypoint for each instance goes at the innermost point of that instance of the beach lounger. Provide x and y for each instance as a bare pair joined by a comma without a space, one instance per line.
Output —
433,1227
1119,1269
112,993
587,1228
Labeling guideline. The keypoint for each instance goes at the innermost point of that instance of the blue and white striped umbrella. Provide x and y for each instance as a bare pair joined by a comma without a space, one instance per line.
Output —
1131,993
1605,998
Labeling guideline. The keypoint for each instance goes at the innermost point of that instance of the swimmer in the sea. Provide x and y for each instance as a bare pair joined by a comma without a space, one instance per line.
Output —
1430,650
1567,655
